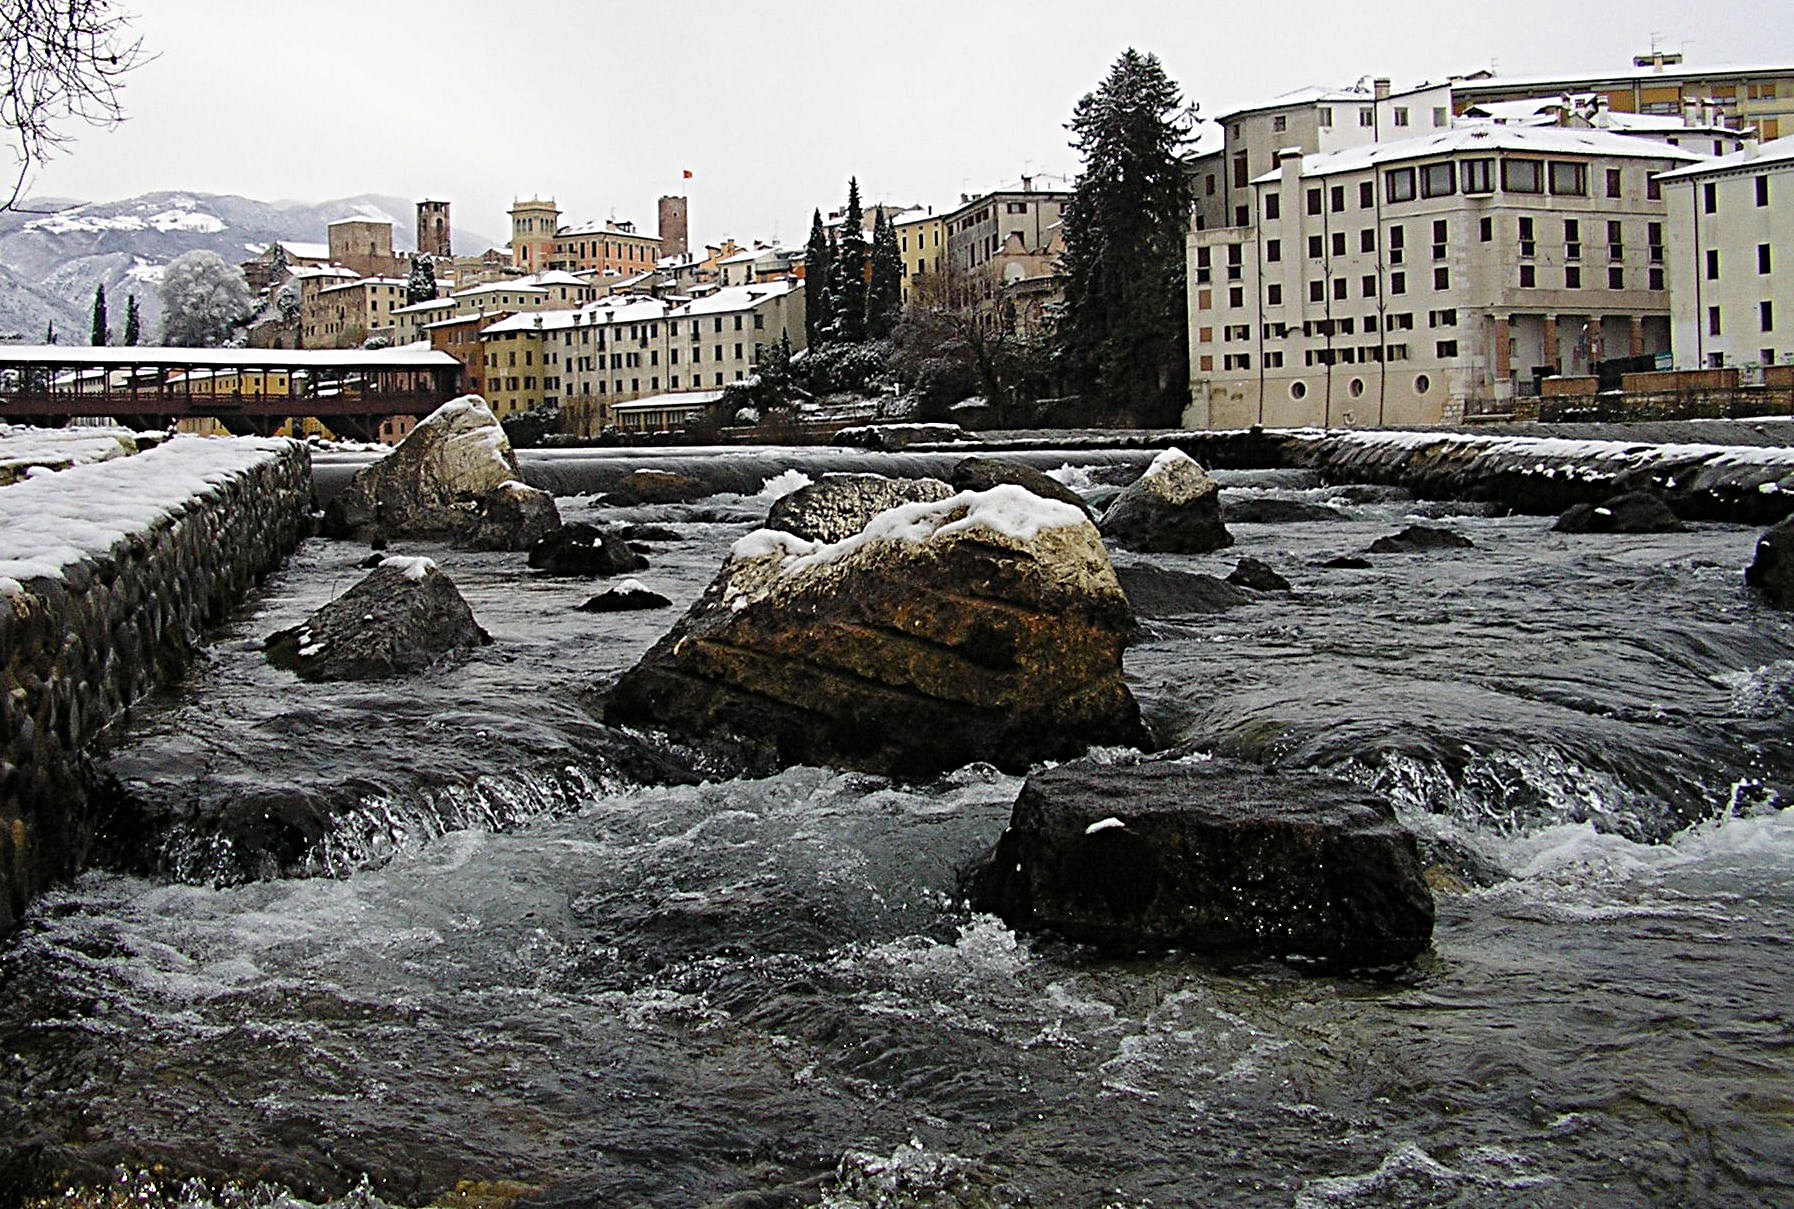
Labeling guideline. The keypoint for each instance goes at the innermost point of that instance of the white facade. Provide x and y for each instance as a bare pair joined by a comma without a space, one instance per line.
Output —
1406,282
1731,251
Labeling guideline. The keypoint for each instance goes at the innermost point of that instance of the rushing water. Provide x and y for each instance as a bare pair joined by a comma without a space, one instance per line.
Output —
534,964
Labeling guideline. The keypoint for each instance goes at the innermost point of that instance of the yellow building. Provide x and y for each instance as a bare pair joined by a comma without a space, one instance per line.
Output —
522,362
922,242
1658,83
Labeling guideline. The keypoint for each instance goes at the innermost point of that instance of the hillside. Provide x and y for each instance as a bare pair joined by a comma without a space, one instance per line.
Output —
50,262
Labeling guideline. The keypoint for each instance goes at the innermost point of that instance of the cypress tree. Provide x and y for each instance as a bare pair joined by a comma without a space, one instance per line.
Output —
849,277
50,332
133,321
818,264
884,296
1123,333
102,332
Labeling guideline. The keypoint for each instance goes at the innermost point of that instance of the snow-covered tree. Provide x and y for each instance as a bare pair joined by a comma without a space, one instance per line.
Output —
849,276
204,300
818,306
884,296
422,285
102,331
133,320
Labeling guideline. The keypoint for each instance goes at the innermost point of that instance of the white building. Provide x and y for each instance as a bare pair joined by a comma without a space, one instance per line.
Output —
1731,228
1408,281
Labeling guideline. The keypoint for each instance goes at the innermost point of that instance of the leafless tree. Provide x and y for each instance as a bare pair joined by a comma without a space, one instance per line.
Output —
62,60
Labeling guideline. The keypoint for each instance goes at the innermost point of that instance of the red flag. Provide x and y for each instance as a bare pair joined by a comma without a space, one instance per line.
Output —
688,174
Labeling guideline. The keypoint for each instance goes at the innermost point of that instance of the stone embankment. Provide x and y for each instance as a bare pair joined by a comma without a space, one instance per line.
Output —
108,571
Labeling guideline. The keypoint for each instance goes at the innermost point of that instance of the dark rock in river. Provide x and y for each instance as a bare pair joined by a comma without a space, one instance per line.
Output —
1348,562
454,478
625,597
651,533
1156,592
580,548
1214,856
988,626
1771,572
1257,574
1633,512
656,487
1416,538
837,506
981,474
1174,508
402,618
1267,510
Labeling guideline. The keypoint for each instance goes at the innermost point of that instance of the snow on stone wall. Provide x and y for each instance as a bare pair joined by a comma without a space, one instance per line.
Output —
108,572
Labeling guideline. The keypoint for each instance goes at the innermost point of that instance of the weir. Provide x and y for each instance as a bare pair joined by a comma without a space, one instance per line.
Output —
108,571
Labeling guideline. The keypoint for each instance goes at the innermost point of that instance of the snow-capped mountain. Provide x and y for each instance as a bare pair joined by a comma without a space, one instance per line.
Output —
53,253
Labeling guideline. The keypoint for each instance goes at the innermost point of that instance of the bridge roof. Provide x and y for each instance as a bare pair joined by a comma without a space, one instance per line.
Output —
226,358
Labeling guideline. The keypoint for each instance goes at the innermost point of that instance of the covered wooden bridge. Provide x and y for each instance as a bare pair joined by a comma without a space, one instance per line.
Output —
248,391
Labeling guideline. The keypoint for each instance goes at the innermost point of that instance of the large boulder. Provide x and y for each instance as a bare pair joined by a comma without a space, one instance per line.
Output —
656,487
1632,512
985,626
1771,571
981,474
1269,510
1417,539
454,478
404,616
1214,856
1158,592
837,506
582,548
1173,508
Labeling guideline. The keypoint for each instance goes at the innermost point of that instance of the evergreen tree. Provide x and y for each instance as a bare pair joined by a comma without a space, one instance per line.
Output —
133,320
884,296
277,264
101,332
1123,334
422,285
849,276
818,306
50,332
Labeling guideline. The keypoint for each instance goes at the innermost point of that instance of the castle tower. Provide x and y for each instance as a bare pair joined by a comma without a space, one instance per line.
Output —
675,236
433,233
533,224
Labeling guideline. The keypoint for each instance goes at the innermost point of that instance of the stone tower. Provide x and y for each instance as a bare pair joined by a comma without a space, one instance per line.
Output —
533,224
433,237
675,238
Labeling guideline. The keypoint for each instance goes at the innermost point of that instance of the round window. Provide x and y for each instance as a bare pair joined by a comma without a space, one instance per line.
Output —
1422,384
1357,387
1298,390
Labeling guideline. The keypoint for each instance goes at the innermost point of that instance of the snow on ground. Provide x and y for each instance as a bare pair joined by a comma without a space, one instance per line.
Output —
52,521
69,222
23,450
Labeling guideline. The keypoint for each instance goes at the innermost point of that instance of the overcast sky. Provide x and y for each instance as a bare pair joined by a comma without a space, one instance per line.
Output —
771,104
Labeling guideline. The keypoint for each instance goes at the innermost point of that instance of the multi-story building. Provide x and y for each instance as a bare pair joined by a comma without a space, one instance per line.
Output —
460,339
435,237
533,224
922,243
345,314
1731,256
1000,244
604,247
521,355
365,246
1658,83
1406,282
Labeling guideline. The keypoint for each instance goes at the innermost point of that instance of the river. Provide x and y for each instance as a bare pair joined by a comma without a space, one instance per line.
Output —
531,963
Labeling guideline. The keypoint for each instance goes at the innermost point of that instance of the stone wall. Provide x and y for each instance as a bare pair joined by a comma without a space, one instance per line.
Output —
76,649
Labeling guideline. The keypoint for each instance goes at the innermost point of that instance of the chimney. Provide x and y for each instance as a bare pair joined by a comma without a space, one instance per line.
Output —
1379,88
1027,184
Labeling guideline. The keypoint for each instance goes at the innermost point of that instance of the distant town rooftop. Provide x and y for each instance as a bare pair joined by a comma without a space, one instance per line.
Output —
1486,137
1777,153
408,357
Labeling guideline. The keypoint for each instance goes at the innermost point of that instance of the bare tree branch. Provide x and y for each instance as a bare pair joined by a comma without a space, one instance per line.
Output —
60,61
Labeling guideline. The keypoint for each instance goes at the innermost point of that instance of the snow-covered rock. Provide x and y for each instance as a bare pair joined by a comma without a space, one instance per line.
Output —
582,548
1173,508
984,626
840,505
1632,512
400,619
981,474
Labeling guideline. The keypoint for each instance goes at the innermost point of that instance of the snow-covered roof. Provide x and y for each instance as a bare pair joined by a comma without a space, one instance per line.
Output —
1542,111
360,218
607,227
364,281
325,270
532,321
419,308
305,251
1483,138
678,398
744,257
500,287
736,298
553,277
1315,94
227,358
1670,71
1776,154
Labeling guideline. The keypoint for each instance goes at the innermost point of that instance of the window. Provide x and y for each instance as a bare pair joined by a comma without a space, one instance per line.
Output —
1440,234
1762,258
1616,240
1369,285
1317,291
1528,243
1485,228
1273,206
1274,360
1240,218
1367,116
1654,279
1441,278
1279,124
1326,115
1274,295
1616,277
1712,264
1479,176
1710,199
1314,201
1766,315
1438,180
1713,321
1316,247
1298,389
1339,288
1339,243
1445,318
1523,176
1654,238
1398,283
1396,243
1236,296
1422,383
1528,276
1446,349
1398,185
1367,194
1336,198
1441,116
1367,240
1572,277
1613,182
1569,179
1401,115
1273,250
1653,190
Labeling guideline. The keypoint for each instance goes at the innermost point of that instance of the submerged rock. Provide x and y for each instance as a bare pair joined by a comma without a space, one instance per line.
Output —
1173,508
1257,574
1215,856
400,619
454,478
656,487
581,548
981,474
1348,562
1268,510
897,436
837,506
1417,538
629,595
1156,592
986,626
1771,571
1633,512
